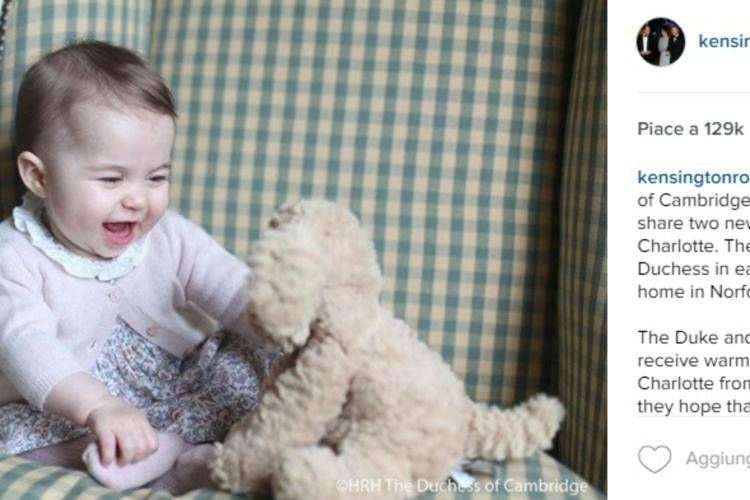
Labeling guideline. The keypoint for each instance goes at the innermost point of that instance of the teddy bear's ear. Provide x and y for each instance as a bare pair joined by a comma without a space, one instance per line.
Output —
284,288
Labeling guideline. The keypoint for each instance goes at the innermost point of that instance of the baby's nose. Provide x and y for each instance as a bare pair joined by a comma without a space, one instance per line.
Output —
134,201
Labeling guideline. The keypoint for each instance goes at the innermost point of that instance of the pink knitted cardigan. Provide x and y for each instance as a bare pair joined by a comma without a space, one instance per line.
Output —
54,324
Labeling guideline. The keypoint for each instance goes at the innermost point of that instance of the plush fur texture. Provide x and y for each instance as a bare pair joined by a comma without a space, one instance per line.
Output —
358,395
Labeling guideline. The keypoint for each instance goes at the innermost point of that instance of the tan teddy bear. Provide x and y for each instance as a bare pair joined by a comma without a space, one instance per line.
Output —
359,396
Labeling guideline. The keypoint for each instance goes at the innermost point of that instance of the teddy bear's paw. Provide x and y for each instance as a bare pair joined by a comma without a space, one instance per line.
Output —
308,473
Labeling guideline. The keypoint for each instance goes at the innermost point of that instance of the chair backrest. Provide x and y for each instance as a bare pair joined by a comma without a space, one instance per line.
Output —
582,295
440,123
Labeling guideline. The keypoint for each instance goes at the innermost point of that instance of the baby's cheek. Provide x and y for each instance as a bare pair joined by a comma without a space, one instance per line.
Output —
90,214
159,205
84,222
72,213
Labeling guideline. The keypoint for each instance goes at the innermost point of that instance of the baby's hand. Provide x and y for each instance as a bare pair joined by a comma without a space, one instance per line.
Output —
122,431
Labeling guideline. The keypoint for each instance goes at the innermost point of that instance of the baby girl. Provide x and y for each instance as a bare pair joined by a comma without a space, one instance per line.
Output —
103,346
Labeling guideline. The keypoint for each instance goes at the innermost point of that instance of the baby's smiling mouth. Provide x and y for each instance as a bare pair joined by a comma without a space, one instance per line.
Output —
118,227
119,233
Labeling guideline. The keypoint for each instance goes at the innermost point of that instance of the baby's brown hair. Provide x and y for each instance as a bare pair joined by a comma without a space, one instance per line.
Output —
80,71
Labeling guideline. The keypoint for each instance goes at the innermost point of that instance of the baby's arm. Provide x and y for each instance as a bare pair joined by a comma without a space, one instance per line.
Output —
212,278
46,373
31,355
85,401
118,426
75,397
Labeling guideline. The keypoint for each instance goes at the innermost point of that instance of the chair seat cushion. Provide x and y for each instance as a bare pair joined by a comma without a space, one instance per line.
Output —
539,477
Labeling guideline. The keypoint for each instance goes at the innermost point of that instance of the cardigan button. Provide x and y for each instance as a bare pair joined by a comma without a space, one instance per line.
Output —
152,330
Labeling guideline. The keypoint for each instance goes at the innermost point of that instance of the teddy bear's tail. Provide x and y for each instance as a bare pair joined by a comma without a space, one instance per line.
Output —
496,434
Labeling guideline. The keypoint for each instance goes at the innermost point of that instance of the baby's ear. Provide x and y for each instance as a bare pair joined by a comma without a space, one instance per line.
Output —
33,173
284,286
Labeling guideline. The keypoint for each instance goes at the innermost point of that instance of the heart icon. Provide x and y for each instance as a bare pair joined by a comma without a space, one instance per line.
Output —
654,458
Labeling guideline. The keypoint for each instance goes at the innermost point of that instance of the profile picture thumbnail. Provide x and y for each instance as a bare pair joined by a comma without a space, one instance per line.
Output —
660,41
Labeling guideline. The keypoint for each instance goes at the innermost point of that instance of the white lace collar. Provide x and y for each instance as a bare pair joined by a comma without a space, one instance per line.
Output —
27,219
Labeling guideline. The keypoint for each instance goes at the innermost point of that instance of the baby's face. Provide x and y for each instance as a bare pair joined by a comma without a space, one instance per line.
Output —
108,181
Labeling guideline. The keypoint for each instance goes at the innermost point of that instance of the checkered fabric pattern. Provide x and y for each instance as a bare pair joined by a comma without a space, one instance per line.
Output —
516,480
582,306
439,122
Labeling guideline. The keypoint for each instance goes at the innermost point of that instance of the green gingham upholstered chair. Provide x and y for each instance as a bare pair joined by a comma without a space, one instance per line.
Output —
468,136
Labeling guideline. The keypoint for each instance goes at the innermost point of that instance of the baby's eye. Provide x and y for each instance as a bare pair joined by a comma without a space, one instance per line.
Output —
158,178
110,180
